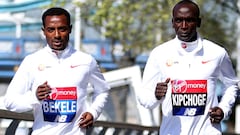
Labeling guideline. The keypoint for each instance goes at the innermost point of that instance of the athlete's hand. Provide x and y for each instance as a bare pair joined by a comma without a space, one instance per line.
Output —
161,89
43,91
216,114
86,120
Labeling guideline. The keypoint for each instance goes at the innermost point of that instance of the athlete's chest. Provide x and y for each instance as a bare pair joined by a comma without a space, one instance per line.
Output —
62,72
191,66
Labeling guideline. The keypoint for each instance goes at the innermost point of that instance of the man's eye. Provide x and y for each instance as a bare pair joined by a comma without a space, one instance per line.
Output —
178,20
50,29
191,20
63,29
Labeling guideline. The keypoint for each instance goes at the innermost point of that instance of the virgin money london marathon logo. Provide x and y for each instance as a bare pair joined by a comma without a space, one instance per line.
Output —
189,97
61,105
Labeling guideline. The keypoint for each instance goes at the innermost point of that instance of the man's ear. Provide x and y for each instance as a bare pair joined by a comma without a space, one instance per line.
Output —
70,29
43,31
42,28
199,22
172,23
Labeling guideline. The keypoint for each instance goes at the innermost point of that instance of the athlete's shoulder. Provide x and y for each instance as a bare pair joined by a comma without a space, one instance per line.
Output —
210,45
36,54
164,47
84,55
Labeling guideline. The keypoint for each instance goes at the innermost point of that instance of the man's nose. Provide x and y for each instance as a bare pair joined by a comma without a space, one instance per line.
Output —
57,34
184,24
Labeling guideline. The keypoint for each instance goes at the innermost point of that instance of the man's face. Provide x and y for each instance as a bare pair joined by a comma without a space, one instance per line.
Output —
185,22
57,31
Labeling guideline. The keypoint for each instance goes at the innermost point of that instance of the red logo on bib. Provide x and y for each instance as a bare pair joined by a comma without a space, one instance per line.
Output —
179,86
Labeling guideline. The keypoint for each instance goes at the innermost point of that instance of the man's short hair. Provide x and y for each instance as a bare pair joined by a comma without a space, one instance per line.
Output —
56,11
187,2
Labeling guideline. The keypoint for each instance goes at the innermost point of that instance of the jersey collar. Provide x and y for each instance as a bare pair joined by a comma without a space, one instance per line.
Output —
194,51
60,54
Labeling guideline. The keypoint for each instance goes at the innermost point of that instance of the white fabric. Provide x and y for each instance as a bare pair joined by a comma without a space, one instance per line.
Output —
69,68
207,61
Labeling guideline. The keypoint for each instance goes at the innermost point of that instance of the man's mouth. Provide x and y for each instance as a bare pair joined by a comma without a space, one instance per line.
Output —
57,43
183,36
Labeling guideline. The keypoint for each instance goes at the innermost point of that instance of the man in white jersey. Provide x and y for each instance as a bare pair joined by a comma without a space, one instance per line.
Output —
182,74
53,82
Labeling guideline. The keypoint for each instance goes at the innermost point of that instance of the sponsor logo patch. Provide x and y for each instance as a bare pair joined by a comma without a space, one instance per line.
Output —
74,66
206,61
61,105
189,97
171,62
42,67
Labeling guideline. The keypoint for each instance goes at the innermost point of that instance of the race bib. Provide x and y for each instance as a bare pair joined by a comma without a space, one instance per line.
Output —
61,105
189,97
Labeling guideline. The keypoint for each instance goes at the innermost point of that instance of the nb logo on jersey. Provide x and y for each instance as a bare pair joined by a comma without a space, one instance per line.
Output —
190,111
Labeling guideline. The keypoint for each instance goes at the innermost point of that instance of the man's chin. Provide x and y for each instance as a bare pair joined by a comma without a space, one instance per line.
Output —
184,38
57,48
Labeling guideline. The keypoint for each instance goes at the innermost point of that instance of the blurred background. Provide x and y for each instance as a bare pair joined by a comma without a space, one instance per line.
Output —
119,34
